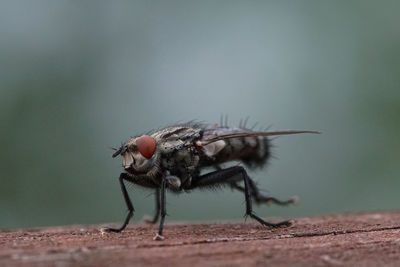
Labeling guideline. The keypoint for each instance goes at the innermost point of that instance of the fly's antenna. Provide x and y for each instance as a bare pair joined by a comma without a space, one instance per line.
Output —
117,151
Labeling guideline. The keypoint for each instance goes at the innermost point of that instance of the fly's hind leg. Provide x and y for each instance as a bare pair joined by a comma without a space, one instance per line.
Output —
233,175
260,198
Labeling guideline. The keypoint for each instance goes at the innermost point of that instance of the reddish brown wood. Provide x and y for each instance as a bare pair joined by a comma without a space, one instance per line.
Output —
367,239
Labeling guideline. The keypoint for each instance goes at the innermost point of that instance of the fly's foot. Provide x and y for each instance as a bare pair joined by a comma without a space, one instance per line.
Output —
290,222
271,200
104,230
286,223
295,200
149,220
158,237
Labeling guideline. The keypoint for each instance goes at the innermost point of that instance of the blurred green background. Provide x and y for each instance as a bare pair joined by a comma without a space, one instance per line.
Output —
78,77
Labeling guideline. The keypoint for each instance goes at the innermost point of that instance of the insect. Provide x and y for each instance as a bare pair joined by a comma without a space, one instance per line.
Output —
173,159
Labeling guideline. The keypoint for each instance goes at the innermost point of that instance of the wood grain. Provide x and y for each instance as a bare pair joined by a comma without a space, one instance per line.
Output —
362,239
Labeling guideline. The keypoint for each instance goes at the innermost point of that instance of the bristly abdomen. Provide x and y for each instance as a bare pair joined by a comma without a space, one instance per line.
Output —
253,151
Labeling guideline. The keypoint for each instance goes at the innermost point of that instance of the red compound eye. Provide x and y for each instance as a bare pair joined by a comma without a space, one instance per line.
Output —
146,145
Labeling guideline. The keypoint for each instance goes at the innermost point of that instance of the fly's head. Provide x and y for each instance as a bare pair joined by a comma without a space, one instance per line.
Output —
140,156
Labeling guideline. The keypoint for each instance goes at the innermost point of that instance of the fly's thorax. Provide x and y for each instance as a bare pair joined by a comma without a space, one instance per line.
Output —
183,162
182,157
177,152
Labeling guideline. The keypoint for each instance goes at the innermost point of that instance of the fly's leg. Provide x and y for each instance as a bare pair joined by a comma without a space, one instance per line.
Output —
122,177
163,209
232,175
157,213
261,198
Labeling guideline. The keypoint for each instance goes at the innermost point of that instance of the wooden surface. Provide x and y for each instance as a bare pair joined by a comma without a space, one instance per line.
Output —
366,239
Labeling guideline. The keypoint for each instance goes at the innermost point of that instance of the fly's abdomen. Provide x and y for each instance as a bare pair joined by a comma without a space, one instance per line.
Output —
253,151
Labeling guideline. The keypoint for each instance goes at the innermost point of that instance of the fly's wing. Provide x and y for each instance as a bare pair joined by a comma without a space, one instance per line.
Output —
176,137
211,141
216,134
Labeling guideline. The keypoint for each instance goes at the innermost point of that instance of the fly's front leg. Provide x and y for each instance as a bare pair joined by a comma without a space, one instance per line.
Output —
122,177
233,175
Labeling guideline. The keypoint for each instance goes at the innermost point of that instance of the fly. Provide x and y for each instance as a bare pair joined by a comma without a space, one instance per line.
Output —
172,159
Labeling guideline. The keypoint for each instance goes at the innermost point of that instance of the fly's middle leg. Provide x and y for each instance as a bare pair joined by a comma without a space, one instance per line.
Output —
157,211
163,210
